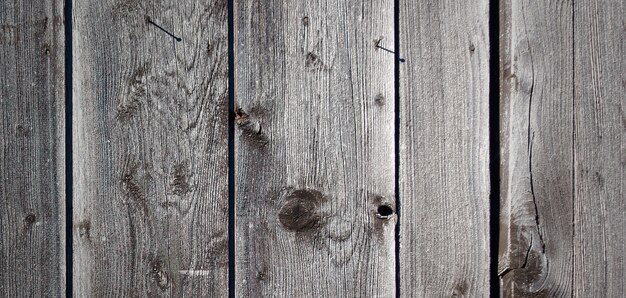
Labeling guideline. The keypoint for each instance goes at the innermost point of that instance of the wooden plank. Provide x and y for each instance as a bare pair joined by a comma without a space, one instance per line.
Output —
537,100
599,148
150,149
314,148
32,156
444,148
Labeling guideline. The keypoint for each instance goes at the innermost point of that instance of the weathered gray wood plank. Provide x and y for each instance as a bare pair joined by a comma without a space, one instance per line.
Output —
314,148
563,83
444,148
150,149
599,148
32,157
537,101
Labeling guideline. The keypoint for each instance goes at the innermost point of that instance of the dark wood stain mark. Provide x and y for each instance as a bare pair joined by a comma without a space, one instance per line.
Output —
41,25
210,47
218,249
132,190
262,274
313,60
46,49
157,274
84,229
137,90
460,289
136,81
126,111
29,220
472,48
300,210
179,185
250,127
22,131
379,99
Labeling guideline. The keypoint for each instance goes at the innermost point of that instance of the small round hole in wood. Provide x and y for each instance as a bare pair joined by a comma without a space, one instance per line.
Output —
384,211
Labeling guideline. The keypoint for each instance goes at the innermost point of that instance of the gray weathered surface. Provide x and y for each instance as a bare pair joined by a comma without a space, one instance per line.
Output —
599,148
32,162
314,148
563,149
150,149
444,148
537,101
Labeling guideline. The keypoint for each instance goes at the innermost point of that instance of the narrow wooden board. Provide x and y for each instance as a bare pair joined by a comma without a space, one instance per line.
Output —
32,156
599,148
314,148
150,149
537,181
444,148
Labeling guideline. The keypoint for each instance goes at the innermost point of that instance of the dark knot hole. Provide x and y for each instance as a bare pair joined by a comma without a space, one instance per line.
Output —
384,211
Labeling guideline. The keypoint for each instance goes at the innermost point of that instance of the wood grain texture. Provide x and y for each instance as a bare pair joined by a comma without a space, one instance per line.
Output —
150,149
314,148
599,148
536,249
563,83
32,157
444,148
536,217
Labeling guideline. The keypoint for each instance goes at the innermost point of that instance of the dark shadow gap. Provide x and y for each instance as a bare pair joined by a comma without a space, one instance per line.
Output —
69,182
396,36
231,151
494,145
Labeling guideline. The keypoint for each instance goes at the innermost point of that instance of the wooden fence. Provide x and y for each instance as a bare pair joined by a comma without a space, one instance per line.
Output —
312,148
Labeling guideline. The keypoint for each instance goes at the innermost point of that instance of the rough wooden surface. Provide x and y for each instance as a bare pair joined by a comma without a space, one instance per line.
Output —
444,148
32,162
150,149
599,148
537,100
314,148
563,194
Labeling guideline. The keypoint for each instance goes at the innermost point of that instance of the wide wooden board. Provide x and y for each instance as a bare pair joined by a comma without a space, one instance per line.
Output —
314,148
150,149
537,100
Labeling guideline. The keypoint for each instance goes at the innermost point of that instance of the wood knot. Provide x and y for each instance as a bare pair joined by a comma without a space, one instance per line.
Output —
305,21
379,99
300,210
250,126
29,220
22,131
84,229
313,60
157,274
179,185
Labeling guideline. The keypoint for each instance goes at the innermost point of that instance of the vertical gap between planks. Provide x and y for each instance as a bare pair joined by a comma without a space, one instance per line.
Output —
573,144
396,36
494,144
231,150
69,169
